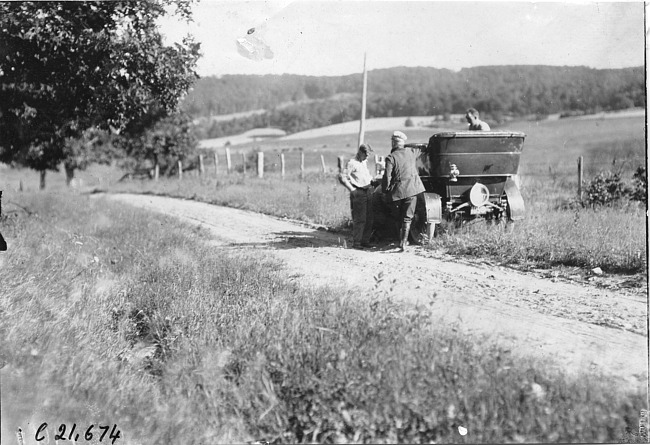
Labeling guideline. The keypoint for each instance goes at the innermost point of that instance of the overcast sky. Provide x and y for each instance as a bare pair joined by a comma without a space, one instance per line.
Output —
330,38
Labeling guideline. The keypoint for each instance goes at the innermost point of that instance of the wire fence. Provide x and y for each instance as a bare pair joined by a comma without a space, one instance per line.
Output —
257,163
591,167
301,162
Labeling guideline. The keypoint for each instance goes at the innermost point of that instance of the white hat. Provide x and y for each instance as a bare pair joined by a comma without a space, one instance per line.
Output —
399,135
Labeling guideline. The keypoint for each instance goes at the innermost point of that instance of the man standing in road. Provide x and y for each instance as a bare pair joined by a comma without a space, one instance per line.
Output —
358,180
475,124
402,183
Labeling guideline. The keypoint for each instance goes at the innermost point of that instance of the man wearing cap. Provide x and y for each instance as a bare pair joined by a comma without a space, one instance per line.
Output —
402,183
358,180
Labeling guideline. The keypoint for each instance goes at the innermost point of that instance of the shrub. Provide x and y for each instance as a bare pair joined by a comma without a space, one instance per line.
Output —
606,188
639,190
409,122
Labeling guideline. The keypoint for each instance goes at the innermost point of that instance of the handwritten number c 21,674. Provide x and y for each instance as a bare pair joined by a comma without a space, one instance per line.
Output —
89,434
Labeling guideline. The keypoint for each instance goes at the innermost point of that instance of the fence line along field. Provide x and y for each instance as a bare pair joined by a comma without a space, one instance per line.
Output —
551,149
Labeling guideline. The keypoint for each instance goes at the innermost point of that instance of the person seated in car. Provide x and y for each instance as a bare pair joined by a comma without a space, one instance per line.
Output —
475,124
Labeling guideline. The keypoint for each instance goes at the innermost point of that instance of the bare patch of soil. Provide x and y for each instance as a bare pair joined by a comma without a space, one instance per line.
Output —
600,330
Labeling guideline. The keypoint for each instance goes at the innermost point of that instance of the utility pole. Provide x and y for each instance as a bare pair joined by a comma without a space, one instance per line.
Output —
362,122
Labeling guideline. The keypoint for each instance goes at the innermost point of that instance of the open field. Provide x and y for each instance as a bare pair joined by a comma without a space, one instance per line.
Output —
550,152
112,315
551,149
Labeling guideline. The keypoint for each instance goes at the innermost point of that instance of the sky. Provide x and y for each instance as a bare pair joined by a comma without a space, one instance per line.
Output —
330,38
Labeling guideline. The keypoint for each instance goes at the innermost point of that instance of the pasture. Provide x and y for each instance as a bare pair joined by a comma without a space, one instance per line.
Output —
607,142
550,151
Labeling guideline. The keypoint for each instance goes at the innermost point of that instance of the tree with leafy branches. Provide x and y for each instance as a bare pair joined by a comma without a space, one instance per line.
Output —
67,67
169,140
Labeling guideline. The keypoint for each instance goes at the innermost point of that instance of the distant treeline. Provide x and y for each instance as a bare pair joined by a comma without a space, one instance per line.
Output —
296,103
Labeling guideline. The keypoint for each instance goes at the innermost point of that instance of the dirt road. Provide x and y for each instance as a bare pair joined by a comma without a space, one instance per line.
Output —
578,325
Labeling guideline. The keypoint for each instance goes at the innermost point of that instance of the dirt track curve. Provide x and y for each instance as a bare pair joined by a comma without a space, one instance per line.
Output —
580,326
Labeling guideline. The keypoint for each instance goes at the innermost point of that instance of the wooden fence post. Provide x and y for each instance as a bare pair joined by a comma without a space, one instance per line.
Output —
260,164
322,163
180,170
216,164
243,161
201,168
302,165
282,164
580,171
228,160
380,164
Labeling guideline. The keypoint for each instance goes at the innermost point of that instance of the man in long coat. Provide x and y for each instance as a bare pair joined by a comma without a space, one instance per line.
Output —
402,183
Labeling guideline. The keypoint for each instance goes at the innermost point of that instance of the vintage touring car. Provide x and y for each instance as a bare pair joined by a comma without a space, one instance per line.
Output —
467,175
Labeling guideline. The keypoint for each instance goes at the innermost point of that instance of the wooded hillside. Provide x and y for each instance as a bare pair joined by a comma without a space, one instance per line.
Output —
296,103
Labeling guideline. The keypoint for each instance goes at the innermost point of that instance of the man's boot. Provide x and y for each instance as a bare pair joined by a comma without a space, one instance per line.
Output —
404,236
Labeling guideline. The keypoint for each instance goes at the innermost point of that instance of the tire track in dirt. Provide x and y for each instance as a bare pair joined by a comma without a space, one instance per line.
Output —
529,315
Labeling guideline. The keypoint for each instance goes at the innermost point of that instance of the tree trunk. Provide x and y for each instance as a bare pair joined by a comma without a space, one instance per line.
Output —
69,173
42,183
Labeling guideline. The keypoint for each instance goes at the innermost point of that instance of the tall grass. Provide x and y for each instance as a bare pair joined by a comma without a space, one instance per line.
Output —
111,315
558,231
318,198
